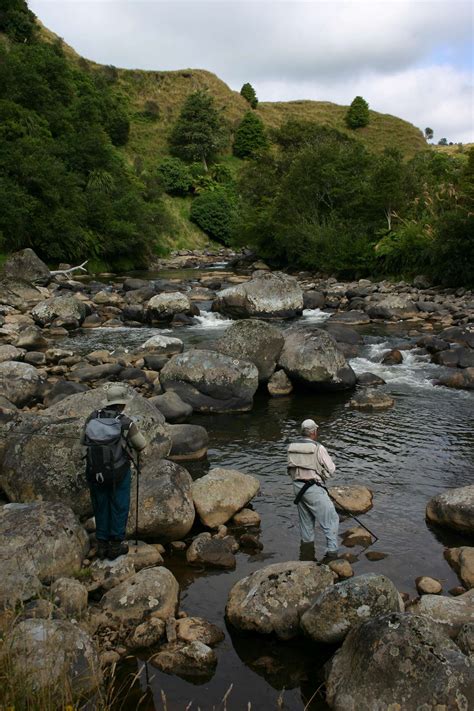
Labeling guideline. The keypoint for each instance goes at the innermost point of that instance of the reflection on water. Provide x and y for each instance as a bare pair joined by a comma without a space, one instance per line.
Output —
406,454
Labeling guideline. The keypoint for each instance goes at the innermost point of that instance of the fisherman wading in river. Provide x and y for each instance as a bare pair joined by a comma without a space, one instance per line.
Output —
309,465
109,436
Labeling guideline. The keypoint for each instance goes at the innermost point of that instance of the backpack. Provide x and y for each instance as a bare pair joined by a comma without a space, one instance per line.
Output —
107,459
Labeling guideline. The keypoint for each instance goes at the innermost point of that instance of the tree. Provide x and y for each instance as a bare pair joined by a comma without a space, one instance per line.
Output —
443,142
388,183
249,94
198,134
429,133
250,137
358,115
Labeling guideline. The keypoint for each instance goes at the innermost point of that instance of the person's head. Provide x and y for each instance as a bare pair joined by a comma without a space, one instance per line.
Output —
309,428
117,397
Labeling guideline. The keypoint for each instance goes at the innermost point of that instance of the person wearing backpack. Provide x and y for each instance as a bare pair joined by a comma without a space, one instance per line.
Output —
309,464
109,436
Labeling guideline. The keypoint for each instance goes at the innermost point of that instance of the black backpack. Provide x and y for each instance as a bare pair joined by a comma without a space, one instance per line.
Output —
107,457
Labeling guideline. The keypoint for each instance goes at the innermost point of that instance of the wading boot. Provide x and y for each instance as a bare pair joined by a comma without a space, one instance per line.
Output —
116,548
329,556
102,549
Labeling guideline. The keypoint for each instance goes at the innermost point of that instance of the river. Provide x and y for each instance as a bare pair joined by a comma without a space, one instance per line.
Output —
407,454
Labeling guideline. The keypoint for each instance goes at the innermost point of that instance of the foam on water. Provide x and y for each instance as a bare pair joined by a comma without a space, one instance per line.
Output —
315,316
211,319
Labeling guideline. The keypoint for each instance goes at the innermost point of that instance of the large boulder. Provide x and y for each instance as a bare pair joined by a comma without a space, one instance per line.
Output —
453,508
172,408
255,341
28,267
163,307
337,609
165,501
48,656
268,294
394,306
221,493
210,381
68,310
19,382
451,613
399,661
311,357
272,600
19,294
38,543
153,592
43,456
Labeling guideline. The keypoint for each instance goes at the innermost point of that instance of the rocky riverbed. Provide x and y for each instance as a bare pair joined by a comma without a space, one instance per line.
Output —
244,354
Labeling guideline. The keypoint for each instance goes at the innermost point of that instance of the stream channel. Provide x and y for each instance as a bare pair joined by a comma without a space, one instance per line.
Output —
407,454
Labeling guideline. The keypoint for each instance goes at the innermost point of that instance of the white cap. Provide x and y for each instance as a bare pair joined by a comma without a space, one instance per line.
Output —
309,426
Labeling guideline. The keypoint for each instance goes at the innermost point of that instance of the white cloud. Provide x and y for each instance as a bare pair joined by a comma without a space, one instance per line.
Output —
408,58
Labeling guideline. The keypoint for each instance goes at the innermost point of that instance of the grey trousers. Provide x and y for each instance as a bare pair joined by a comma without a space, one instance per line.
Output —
317,507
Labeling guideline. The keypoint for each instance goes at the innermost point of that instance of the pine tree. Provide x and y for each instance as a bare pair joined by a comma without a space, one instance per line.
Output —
250,137
358,115
198,134
248,92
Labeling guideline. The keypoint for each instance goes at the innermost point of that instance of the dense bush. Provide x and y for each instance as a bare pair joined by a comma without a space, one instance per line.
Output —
214,212
64,188
175,176
250,137
249,94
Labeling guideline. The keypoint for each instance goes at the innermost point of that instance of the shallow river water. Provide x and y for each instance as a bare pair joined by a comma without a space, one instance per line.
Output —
418,448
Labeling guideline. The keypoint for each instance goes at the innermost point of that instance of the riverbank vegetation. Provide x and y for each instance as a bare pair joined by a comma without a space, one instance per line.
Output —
118,166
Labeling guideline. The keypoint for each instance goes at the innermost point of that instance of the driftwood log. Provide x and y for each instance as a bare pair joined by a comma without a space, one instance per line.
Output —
67,272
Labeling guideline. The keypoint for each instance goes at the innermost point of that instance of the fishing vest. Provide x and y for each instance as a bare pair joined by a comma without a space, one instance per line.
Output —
303,461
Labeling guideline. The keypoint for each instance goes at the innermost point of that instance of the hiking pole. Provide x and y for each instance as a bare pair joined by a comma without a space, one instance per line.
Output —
348,513
137,467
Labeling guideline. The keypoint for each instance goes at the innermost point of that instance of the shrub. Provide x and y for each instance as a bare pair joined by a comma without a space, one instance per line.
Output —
250,137
248,92
214,212
358,115
175,176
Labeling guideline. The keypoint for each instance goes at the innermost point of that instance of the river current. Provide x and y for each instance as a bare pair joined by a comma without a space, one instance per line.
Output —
407,454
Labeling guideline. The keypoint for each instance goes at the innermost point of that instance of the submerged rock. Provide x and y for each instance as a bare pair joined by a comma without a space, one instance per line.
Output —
371,400
210,381
336,610
47,654
254,341
399,661
311,357
279,384
39,542
355,499
453,508
221,493
211,552
273,599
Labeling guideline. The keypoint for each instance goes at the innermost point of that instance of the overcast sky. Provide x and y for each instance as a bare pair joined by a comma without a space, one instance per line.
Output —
410,58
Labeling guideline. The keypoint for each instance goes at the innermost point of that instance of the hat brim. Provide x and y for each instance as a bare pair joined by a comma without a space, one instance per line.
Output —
117,401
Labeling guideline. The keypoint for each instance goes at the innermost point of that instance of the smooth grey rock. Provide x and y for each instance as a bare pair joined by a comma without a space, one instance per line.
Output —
172,408
462,560
163,307
210,381
274,598
67,308
61,390
20,383
453,508
165,503
267,294
38,543
311,356
46,654
254,341
393,306
19,294
152,592
314,300
399,661
188,442
336,610
369,379
221,493
351,318
31,339
163,345
27,266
